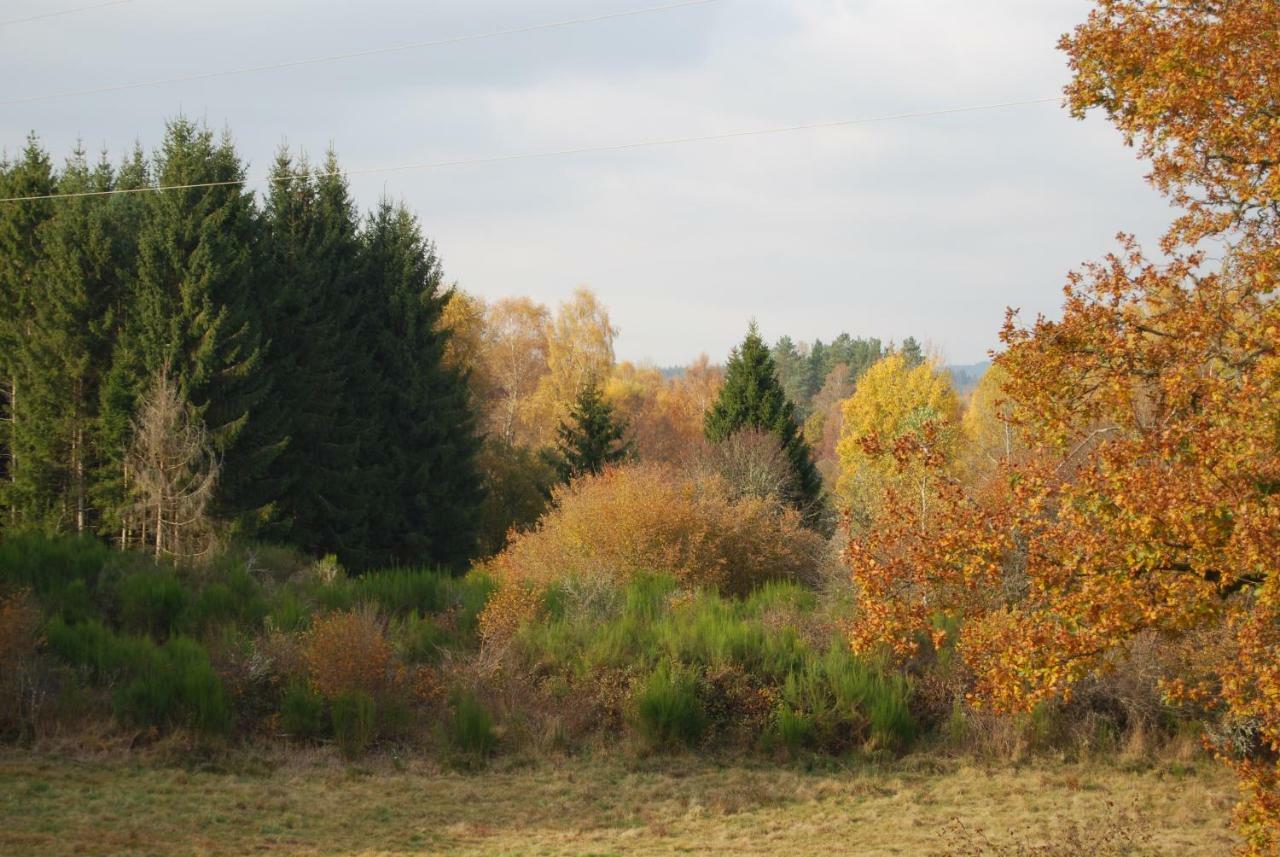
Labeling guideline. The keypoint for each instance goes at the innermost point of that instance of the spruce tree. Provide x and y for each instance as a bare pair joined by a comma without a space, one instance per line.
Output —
121,381
752,397
311,250
21,251
68,351
591,438
422,487
195,307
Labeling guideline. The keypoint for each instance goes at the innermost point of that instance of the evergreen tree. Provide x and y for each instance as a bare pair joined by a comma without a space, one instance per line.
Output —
120,384
912,352
194,306
21,251
591,438
419,457
312,244
792,368
63,360
751,397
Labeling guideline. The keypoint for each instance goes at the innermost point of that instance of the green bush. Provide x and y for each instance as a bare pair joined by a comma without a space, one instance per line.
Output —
421,639
177,688
354,722
669,710
92,646
840,701
471,727
289,613
712,663
47,565
302,712
169,685
235,598
402,590
153,602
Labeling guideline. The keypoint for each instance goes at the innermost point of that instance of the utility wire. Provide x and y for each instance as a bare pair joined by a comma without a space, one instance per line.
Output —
62,12
555,153
412,46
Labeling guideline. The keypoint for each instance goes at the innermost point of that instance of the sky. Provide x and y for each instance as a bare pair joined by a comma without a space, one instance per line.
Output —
927,227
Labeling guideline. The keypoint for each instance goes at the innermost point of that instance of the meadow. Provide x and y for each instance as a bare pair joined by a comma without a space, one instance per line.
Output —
273,802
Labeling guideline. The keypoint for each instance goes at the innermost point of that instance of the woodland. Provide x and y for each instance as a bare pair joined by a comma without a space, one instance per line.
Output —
270,482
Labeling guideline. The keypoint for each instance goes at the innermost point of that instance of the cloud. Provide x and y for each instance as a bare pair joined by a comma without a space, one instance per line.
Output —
925,227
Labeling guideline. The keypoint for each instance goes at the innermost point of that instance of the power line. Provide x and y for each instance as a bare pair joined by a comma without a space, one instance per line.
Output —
62,12
413,46
555,153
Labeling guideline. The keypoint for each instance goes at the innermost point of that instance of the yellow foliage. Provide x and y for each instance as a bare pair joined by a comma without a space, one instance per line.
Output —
579,347
650,517
892,400
989,435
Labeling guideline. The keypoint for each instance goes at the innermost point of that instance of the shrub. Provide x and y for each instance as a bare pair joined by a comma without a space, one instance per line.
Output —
422,639
839,701
508,609
633,519
19,639
354,722
713,668
47,564
348,653
177,687
402,590
471,728
153,602
302,712
289,613
668,709
95,648
235,598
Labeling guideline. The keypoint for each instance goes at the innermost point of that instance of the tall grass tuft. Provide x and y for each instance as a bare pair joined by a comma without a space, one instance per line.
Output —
669,710
355,722
471,728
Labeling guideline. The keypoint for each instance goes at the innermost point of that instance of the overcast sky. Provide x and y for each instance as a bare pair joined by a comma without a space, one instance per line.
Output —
927,227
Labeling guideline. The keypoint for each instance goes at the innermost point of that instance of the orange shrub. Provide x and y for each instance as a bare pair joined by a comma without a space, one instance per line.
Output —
506,610
649,517
348,652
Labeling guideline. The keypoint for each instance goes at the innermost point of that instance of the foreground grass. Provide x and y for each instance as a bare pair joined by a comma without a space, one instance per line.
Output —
311,805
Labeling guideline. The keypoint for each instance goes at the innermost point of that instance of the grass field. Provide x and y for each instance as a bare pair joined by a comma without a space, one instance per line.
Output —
313,805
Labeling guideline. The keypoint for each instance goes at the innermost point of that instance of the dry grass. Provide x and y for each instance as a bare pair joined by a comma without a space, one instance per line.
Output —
313,805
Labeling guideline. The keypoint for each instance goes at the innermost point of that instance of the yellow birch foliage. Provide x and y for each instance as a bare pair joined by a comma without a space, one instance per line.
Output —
891,400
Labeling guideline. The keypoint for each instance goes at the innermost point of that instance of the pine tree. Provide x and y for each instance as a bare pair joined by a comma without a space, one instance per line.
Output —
752,397
422,486
21,250
591,438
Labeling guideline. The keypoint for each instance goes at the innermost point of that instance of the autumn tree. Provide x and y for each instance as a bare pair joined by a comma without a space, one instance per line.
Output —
892,400
1150,498
514,359
990,435
579,347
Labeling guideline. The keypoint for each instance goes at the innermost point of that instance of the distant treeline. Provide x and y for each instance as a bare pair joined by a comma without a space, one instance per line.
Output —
291,348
